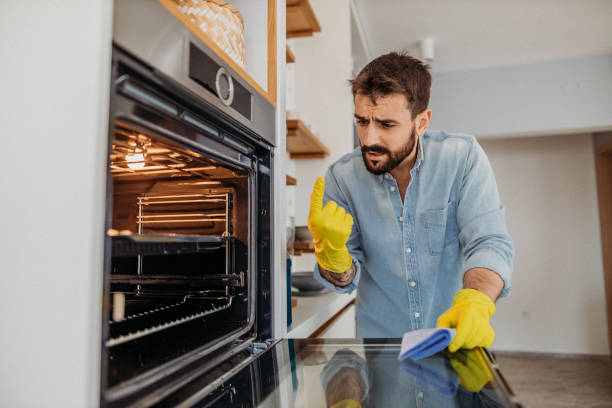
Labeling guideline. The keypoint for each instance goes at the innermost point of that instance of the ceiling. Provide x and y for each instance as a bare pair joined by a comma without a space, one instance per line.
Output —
474,34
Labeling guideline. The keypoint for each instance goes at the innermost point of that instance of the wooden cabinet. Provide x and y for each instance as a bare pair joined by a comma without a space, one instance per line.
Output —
261,67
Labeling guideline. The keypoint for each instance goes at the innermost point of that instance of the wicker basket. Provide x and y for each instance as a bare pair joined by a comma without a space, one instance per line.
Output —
221,22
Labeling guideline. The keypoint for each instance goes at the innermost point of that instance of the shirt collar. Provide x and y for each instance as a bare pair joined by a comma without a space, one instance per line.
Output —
419,159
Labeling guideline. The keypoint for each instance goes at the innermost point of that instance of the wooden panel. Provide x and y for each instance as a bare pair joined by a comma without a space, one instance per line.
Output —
303,246
307,155
304,33
301,19
290,56
291,181
272,50
603,163
193,27
302,143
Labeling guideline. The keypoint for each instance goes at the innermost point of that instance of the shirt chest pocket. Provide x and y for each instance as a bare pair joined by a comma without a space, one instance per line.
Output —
440,227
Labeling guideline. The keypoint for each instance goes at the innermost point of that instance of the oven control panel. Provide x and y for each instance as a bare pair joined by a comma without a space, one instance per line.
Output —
215,78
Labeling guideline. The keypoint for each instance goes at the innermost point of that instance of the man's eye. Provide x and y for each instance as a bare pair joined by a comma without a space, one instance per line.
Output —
362,122
387,125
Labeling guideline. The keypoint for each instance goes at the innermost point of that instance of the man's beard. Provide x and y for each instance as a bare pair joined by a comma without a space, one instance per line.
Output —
390,160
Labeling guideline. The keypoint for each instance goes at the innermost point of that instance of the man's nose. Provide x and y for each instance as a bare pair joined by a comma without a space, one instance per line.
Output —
371,136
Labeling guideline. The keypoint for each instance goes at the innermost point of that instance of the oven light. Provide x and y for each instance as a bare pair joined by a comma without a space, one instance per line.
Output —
199,183
135,161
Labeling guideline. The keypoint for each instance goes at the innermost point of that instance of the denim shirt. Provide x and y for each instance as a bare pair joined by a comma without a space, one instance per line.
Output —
410,257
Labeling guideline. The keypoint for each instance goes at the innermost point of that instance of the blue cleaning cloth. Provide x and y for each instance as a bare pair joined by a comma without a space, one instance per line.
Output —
425,342
435,373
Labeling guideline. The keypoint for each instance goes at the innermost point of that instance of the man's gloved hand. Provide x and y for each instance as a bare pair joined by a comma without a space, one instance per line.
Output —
330,227
471,368
469,315
347,403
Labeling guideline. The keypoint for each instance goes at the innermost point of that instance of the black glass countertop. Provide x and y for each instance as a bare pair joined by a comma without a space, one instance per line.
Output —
347,373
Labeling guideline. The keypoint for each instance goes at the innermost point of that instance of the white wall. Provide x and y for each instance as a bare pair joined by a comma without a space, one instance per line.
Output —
54,78
557,303
322,95
544,98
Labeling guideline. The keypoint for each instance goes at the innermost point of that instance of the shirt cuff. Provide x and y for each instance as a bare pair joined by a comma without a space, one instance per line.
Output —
339,289
493,261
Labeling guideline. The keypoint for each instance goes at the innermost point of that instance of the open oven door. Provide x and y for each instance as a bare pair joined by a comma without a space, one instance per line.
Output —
326,372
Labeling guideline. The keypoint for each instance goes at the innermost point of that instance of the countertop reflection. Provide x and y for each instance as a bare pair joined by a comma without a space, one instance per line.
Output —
342,373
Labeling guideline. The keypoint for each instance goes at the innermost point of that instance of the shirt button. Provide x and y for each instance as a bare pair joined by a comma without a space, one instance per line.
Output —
401,219
409,250
392,188
420,395
417,314
412,283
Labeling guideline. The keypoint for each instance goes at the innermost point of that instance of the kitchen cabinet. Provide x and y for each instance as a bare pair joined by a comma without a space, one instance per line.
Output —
260,32
57,127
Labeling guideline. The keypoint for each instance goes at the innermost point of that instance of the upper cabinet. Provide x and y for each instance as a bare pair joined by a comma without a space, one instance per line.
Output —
241,32
301,19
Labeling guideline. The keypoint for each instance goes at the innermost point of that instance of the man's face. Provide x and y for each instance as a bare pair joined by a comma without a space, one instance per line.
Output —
386,131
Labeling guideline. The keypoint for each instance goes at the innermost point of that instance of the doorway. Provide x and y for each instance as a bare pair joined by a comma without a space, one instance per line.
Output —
603,163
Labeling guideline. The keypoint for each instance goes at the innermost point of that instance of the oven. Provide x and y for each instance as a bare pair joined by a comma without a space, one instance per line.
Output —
187,274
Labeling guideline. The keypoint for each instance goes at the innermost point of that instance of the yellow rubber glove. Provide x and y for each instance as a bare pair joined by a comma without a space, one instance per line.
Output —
469,315
471,368
330,227
347,403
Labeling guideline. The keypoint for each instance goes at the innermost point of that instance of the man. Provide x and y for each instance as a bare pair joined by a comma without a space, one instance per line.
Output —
413,217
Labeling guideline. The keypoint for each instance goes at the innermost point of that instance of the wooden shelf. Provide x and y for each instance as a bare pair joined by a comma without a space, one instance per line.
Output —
302,143
301,19
290,55
300,247
291,181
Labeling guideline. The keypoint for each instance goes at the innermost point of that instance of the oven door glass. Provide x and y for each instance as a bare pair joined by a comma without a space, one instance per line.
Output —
353,373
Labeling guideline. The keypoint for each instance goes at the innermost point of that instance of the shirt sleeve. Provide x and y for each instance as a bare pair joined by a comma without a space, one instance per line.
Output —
334,193
480,217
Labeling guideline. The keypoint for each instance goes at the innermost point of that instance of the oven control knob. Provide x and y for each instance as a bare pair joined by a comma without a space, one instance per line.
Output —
225,86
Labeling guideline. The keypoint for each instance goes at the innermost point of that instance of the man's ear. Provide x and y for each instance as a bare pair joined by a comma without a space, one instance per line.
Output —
422,122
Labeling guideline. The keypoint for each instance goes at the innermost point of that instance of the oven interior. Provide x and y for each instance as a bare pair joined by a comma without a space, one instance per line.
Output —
179,265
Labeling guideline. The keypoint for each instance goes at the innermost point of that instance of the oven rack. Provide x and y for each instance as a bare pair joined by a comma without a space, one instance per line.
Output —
159,244
221,279
148,322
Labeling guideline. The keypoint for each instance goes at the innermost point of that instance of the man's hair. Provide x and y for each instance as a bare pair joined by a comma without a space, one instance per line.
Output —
395,72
